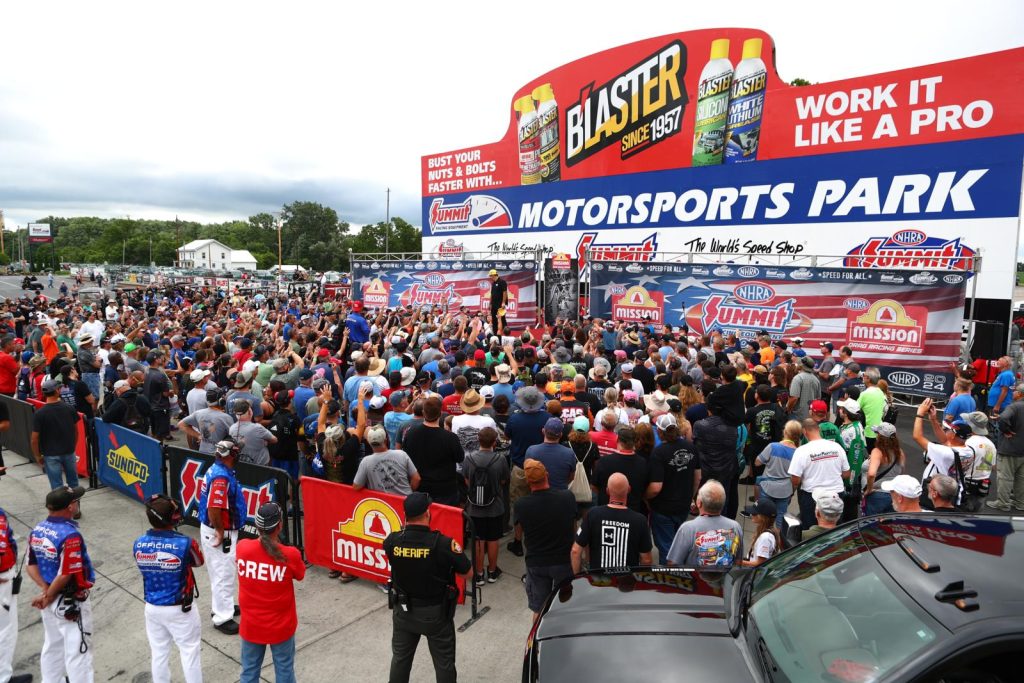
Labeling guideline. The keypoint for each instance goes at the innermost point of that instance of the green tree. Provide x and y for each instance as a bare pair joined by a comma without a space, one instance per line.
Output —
800,82
312,236
402,237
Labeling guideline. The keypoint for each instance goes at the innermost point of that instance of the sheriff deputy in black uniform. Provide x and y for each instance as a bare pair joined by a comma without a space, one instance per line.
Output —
423,592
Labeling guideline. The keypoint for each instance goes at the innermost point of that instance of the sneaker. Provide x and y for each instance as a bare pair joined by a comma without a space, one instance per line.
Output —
238,611
516,548
20,678
996,506
478,580
493,574
229,627
382,587
747,481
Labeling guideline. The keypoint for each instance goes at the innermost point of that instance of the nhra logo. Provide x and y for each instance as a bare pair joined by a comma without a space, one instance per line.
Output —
911,249
754,293
449,249
359,541
855,304
434,280
902,378
477,212
192,483
748,271
645,250
953,279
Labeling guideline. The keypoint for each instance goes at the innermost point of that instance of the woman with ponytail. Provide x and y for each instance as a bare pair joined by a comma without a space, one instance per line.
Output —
266,597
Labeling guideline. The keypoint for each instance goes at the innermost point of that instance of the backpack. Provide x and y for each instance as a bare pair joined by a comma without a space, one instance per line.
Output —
481,488
25,384
579,487
133,419
890,413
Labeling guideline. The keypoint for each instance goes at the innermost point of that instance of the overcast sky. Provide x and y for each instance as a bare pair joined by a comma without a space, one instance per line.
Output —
218,110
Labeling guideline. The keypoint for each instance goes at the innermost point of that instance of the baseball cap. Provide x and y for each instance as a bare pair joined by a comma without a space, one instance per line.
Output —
977,421
535,470
241,379
319,383
903,484
808,362
763,506
553,426
198,374
479,354
492,272
486,391
416,504
849,404
666,421
268,516
121,383
568,387
63,496
377,402
798,340
240,406
828,502
130,346
885,429
826,345
626,368
50,385
305,373
397,397
819,406
376,436
581,424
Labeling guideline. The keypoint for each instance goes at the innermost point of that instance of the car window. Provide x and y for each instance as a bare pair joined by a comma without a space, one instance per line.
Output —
827,611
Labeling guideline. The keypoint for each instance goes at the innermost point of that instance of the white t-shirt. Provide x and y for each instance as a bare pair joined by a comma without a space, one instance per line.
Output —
985,457
112,312
764,546
820,464
467,429
940,460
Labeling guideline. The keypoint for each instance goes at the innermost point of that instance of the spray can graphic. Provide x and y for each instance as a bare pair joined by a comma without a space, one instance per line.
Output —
529,140
746,103
550,147
712,106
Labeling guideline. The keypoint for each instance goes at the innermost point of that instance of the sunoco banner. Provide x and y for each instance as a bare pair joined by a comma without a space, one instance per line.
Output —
447,284
128,461
561,288
186,470
907,324
345,529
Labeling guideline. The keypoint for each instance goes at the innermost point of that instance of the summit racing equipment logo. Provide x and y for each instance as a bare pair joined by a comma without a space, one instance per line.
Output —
191,484
636,109
359,541
889,326
450,249
476,212
157,559
645,250
911,249
751,307
637,303
433,290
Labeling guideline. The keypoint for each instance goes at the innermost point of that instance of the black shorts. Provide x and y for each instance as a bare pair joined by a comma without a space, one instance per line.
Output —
487,528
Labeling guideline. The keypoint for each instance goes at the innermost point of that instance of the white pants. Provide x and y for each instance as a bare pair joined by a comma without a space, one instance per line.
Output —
62,646
8,624
166,625
223,573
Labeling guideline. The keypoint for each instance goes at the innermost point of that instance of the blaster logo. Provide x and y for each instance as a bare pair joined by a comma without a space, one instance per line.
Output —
645,250
476,212
911,249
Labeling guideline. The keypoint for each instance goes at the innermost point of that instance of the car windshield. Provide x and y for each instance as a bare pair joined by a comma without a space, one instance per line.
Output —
828,611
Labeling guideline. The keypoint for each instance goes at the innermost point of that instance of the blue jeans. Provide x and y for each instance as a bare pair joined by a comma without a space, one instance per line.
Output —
92,380
284,661
55,465
781,505
877,503
663,528
289,466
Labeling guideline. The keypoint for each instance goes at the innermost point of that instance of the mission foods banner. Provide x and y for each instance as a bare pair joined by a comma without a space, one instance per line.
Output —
907,324
128,461
345,529
561,288
690,142
186,470
448,284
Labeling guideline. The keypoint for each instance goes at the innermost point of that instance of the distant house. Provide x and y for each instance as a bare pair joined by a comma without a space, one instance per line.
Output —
214,255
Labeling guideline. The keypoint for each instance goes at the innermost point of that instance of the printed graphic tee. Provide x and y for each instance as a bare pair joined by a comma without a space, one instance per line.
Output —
266,595
615,537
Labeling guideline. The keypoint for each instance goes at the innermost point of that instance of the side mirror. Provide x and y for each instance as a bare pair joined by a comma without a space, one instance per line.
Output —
791,531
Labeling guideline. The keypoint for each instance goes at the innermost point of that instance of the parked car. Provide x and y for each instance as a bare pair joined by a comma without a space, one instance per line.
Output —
924,598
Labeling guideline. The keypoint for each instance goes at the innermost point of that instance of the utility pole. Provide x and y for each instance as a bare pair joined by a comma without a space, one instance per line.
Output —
3,227
387,224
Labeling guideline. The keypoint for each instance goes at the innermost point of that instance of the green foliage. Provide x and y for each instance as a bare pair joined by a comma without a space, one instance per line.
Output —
312,235
800,81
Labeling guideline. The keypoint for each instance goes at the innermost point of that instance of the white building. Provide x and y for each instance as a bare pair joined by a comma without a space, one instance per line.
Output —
214,255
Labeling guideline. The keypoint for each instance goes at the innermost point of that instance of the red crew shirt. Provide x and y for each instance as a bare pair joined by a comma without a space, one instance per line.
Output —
266,594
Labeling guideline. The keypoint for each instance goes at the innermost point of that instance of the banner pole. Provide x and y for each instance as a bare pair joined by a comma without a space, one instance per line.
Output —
475,614
975,263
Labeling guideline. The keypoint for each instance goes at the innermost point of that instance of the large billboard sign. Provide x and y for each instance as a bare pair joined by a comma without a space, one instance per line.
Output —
906,323
690,142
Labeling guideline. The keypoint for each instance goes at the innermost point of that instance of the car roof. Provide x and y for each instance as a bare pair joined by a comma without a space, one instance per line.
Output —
663,600
960,568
